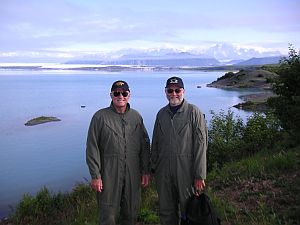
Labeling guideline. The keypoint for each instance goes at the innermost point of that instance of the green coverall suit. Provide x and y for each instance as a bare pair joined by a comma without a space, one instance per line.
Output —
178,155
118,152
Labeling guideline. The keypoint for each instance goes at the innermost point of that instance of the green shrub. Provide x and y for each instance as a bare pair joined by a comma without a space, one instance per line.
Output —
261,131
225,138
287,103
231,140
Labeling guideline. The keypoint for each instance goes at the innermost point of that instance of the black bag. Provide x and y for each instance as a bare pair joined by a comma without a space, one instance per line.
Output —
199,211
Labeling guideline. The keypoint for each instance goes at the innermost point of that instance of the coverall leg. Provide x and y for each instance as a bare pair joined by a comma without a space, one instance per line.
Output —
130,199
168,201
110,198
107,212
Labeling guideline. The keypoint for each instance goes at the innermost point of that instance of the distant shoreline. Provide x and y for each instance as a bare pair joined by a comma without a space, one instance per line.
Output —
87,67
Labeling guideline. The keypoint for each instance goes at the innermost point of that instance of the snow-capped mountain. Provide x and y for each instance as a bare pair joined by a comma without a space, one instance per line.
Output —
226,52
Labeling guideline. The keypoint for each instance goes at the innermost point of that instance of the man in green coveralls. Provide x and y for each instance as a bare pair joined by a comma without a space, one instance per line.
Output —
118,157
178,152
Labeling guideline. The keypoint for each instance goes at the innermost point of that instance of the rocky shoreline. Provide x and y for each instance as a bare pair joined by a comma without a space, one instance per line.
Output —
249,79
255,102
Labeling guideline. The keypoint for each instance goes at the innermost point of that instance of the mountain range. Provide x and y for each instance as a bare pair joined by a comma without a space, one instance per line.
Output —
217,55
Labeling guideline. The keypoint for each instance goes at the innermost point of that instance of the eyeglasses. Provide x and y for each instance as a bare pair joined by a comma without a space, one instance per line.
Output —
118,93
170,91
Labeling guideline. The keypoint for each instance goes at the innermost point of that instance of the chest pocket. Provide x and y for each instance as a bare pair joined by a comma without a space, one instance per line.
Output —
184,128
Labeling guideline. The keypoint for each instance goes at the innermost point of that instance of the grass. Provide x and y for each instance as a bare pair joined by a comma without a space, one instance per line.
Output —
149,206
262,189
77,207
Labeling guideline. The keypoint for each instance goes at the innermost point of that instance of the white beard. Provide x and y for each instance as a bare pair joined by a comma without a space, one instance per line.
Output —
175,101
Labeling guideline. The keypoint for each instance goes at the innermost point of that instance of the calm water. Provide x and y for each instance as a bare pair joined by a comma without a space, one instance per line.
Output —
53,154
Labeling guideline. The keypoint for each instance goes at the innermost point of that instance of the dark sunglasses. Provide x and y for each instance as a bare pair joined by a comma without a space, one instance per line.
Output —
170,91
118,93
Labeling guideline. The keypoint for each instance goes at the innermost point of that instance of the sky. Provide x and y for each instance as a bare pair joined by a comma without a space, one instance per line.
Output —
67,28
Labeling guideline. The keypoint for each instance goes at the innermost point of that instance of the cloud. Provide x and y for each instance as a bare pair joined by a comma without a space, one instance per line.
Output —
36,25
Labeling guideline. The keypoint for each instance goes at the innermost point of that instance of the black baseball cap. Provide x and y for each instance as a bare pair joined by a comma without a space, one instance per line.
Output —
120,84
175,81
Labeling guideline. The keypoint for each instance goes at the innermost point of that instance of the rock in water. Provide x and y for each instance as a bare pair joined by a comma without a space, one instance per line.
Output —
41,119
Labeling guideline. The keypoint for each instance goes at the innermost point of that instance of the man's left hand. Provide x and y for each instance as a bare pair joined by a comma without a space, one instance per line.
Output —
199,185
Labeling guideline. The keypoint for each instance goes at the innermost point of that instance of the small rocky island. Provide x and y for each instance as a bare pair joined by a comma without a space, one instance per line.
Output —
258,79
40,120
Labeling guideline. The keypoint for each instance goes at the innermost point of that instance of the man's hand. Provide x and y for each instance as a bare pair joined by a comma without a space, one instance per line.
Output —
199,185
146,180
97,185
